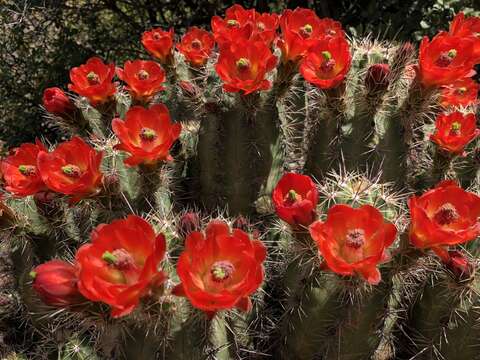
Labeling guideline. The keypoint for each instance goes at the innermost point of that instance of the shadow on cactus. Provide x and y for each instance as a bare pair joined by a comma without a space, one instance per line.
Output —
271,190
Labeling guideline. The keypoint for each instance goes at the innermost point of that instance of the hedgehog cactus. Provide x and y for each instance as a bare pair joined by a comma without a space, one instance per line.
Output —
270,190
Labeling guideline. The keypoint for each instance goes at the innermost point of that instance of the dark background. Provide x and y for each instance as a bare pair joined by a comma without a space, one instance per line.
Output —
41,40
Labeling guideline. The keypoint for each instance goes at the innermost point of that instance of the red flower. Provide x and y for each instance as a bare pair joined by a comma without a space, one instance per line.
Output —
243,66
121,264
237,24
354,241
454,131
93,80
147,134
327,63
469,28
443,216
196,46
144,78
56,101
73,168
56,283
20,172
295,198
159,44
302,28
220,269
265,27
445,59
463,92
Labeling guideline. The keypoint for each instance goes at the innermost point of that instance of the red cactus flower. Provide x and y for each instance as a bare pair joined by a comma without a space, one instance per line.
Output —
469,28
196,46
327,63
443,216
243,66
147,134
295,198
454,131
237,24
463,92
159,44
20,172
302,28
220,269
93,80
144,78
265,27
55,282
354,241
445,59
121,264
56,101
73,168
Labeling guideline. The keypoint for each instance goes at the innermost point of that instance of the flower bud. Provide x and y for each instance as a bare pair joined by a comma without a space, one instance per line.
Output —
460,266
377,78
189,89
56,283
56,101
188,223
241,223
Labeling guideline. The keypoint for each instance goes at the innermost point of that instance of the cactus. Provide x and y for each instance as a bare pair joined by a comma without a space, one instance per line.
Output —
275,196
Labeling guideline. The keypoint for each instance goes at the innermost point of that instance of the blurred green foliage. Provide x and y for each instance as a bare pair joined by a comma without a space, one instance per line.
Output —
42,40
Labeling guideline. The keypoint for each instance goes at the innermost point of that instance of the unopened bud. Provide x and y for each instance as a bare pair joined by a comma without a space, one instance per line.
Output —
188,223
377,78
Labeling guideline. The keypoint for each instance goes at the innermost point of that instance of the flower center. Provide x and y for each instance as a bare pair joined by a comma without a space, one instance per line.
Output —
93,78
148,134
355,238
27,170
331,32
260,26
461,91
243,64
196,44
157,36
72,171
222,270
456,128
446,214
232,23
328,62
292,197
306,30
143,75
446,58
120,258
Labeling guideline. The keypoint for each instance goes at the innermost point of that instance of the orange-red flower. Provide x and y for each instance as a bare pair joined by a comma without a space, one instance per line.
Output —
443,216
20,172
55,282
196,46
220,269
354,241
93,80
327,63
445,59
469,28
265,27
159,44
121,264
237,24
147,134
302,28
73,168
243,66
454,131
463,92
144,78
295,198
56,101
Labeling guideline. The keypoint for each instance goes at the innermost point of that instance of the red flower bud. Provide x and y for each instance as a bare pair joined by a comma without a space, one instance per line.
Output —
460,266
56,283
377,78
188,223
454,131
56,101
354,241
189,89
295,198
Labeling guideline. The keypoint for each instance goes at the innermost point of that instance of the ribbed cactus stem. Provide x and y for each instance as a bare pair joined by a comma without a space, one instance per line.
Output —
150,182
442,166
